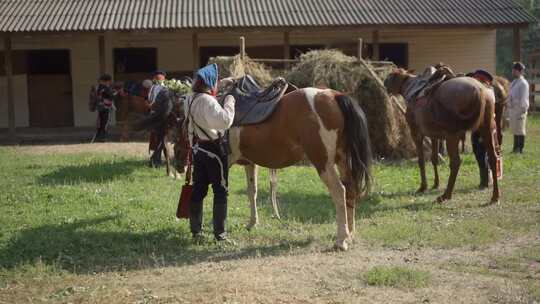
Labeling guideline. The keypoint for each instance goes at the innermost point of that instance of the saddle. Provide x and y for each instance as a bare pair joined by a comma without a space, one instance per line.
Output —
428,82
253,104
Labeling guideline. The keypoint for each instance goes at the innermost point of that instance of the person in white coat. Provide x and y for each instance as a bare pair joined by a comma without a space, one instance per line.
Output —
518,104
207,123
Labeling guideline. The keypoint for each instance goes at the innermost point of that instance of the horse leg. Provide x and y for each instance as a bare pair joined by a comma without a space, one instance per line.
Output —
489,136
273,193
421,163
167,157
331,179
452,146
351,194
435,162
251,178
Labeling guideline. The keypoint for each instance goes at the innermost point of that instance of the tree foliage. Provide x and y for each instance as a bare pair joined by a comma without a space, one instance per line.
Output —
530,39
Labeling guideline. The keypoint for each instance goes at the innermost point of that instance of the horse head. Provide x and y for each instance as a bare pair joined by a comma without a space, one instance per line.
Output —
395,80
180,135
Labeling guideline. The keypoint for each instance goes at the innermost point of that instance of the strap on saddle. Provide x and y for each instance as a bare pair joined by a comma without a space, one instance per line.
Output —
429,82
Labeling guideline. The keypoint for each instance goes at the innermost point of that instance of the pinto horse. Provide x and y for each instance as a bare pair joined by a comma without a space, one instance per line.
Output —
456,106
325,126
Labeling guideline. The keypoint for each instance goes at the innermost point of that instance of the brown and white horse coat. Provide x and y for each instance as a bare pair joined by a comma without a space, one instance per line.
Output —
324,126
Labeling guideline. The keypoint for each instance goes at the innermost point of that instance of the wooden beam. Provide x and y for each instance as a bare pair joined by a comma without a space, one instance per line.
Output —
195,45
242,47
8,64
101,52
359,50
375,44
286,47
517,44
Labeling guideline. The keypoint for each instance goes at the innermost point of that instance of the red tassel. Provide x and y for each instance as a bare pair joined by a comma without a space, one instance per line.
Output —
182,211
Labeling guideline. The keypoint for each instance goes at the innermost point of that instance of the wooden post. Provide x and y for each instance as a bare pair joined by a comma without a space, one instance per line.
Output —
360,46
375,43
286,48
101,52
8,64
242,47
517,44
195,45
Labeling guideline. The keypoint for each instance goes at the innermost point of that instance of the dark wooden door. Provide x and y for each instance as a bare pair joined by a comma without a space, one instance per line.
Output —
50,100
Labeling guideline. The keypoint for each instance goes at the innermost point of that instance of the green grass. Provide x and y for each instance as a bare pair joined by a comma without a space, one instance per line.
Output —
397,277
91,213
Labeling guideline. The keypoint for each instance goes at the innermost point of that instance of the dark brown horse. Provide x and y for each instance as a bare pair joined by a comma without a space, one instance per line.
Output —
456,106
132,108
325,126
501,87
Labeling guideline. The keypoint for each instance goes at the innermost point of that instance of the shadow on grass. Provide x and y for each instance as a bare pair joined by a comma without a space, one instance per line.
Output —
95,172
319,208
81,247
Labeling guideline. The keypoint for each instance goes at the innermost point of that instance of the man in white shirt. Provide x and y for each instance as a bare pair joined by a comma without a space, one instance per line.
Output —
207,123
518,104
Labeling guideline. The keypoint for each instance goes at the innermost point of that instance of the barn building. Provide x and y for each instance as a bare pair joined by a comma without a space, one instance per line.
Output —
52,51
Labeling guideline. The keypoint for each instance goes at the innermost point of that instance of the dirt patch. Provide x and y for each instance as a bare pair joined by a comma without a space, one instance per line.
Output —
315,277
108,148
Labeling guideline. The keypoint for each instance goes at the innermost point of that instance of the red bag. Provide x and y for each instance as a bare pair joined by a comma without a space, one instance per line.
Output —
184,203
182,211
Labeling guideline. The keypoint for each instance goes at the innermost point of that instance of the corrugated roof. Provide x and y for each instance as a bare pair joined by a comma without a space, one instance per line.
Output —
100,15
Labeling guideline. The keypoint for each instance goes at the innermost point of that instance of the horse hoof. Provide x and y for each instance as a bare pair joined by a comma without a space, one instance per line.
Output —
251,226
421,190
341,246
441,199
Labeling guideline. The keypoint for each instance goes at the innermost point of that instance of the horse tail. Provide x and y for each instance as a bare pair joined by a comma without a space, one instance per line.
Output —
358,145
480,102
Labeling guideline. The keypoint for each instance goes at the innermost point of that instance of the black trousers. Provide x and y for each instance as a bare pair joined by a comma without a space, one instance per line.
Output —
156,155
480,153
103,120
207,170
519,143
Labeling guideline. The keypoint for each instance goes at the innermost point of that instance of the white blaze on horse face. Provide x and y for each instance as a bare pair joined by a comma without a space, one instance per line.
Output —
328,137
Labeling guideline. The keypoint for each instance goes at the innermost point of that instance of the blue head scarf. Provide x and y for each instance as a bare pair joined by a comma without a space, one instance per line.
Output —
208,75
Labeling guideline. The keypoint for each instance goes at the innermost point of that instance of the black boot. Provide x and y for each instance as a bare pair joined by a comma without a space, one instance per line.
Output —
195,218
516,144
521,143
484,178
220,219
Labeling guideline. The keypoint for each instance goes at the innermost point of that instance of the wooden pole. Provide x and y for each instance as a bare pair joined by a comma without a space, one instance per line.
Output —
8,65
375,43
101,52
286,48
517,44
195,45
242,47
360,46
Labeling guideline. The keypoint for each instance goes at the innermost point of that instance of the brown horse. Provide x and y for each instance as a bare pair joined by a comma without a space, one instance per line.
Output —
131,108
457,105
501,87
325,126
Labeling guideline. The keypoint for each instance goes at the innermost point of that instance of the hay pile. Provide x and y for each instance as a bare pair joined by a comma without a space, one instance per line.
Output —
390,135
236,67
